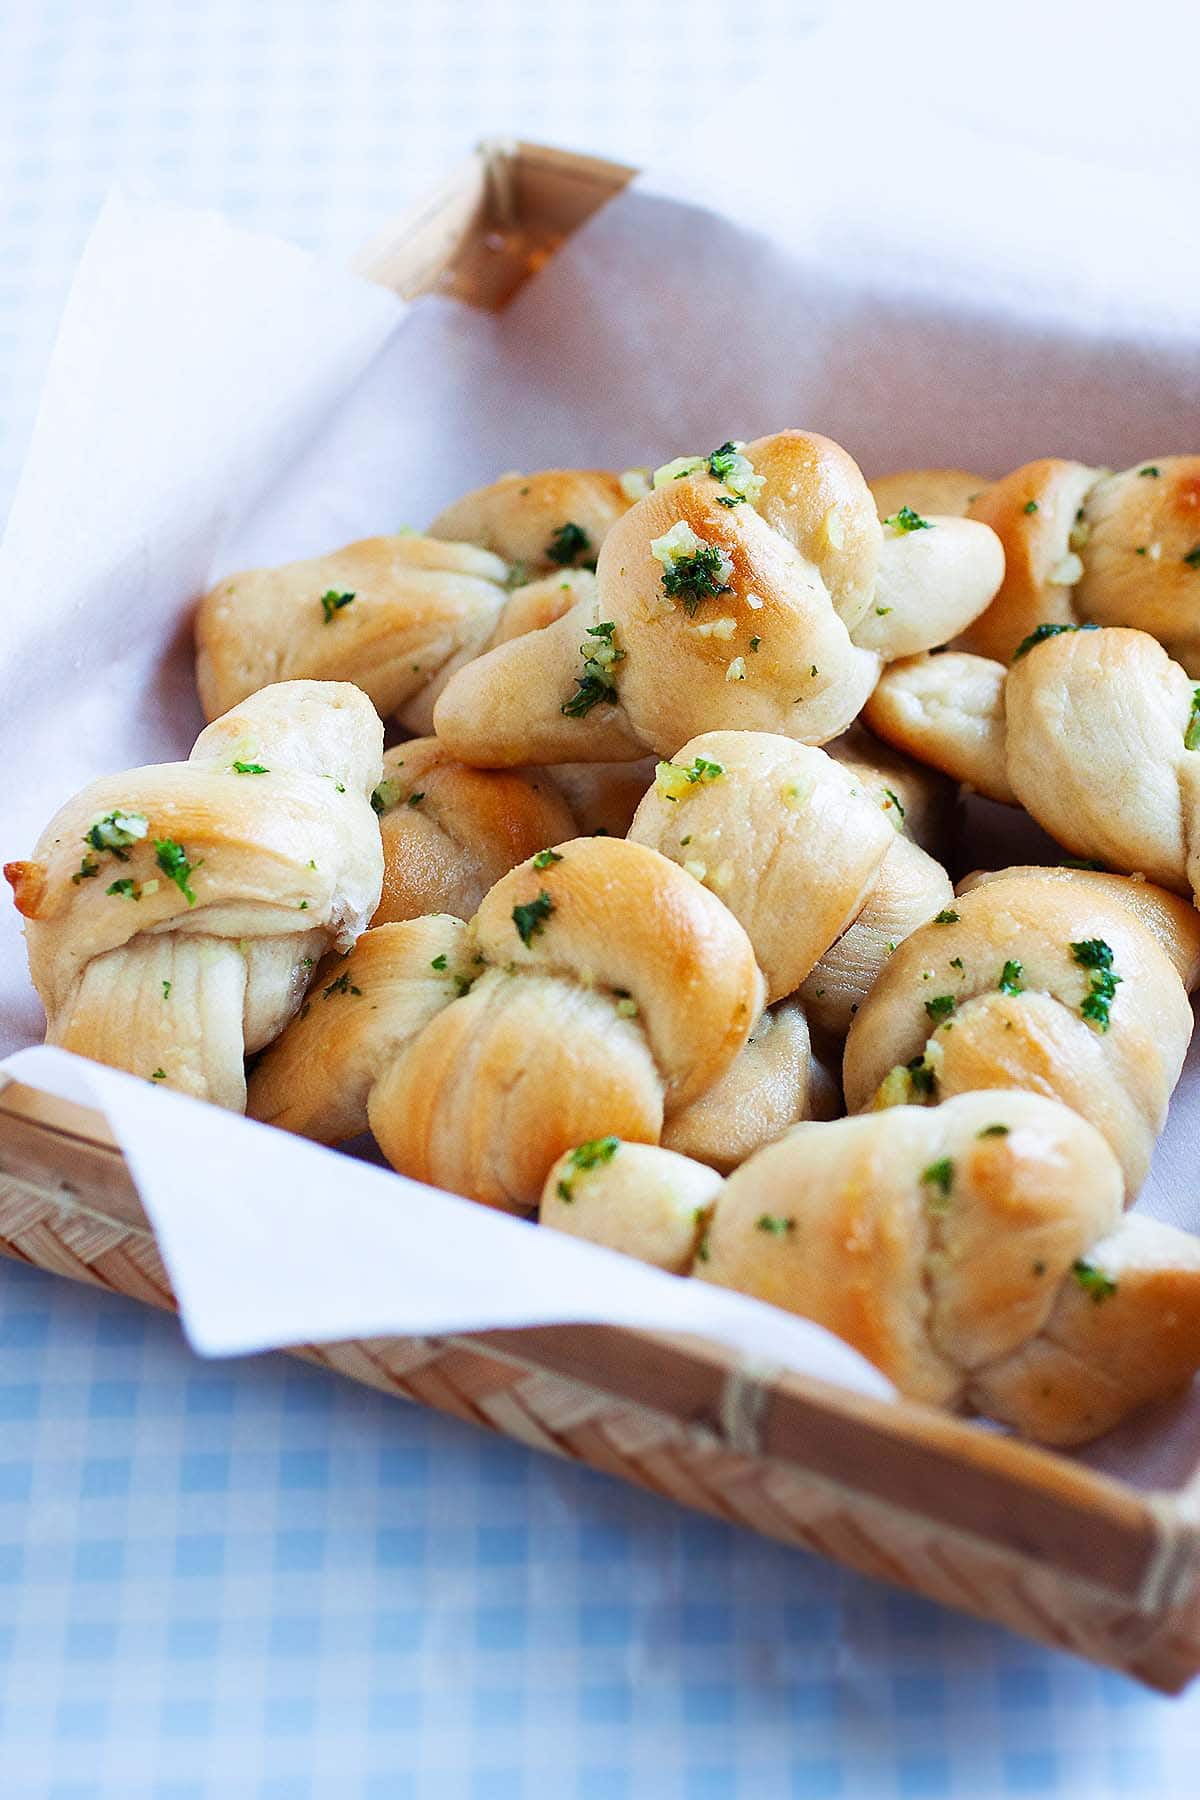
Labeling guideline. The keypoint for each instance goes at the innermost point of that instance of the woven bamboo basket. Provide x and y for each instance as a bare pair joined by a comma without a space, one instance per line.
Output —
975,1520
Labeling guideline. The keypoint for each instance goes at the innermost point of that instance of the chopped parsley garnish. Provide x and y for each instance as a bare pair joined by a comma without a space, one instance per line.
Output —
722,459
1191,737
1192,559
87,868
544,858
159,1075
1040,635
674,781
128,890
386,795
693,570
947,916
166,987
592,1155
172,860
332,602
1030,506
1150,469
568,544
727,464
531,917
116,831
755,642
343,985
908,520
415,799
993,1131
940,1007
922,1078
1094,1282
597,681
1081,862
249,768
1096,956
773,1225
939,1176
895,801
439,962
1010,979
700,576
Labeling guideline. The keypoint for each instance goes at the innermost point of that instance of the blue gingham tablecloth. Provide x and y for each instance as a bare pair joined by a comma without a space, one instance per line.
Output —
224,1581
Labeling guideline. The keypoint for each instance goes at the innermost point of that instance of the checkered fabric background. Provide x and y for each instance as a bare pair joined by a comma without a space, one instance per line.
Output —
250,1581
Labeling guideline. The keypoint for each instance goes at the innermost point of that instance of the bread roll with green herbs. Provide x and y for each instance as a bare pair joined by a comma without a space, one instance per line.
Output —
818,872
1096,732
637,1198
174,913
976,1254
395,615
1085,546
554,519
1035,982
752,589
605,991
449,832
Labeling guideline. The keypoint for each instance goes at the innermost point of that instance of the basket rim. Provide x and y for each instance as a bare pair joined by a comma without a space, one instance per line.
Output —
1101,1531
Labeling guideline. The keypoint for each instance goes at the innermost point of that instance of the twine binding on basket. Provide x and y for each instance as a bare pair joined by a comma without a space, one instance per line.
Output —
743,1404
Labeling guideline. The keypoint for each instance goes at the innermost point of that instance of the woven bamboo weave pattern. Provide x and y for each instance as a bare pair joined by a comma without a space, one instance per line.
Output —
690,1464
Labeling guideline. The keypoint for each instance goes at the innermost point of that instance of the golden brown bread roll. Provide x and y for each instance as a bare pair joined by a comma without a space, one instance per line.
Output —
395,615
450,832
608,990
909,889
557,518
976,1254
773,1083
1168,918
1032,982
1091,730
801,854
926,491
637,1198
362,1011
603,797
767,605
1083,545
174,912
917,799
947,711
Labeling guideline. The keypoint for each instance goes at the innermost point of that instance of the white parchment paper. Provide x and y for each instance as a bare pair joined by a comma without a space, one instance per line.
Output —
217,400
